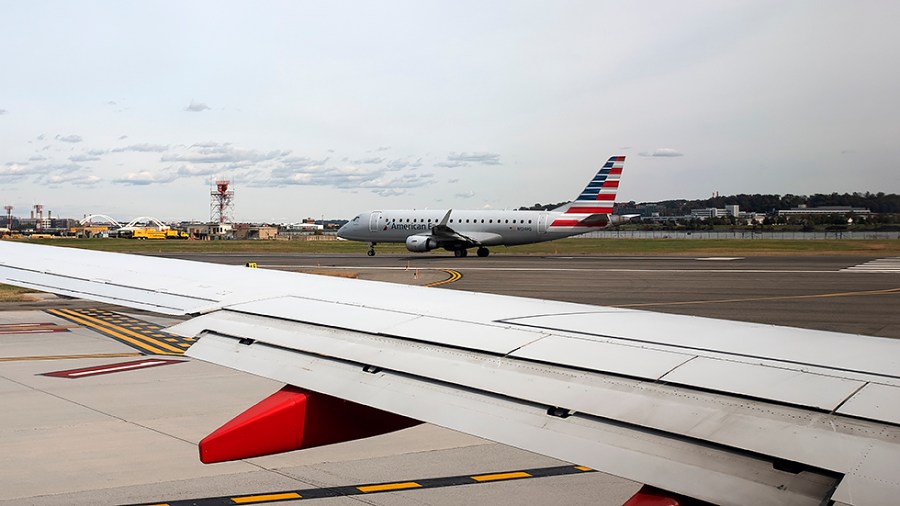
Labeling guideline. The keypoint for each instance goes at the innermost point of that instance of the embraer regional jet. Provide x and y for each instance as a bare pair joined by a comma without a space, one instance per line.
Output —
724,412
457,231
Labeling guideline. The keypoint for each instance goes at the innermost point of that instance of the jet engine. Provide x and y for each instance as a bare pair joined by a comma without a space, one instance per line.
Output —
421,243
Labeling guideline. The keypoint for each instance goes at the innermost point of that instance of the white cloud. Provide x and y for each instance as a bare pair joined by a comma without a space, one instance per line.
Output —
465,195
67,138
662,153
481,157
84,157
146,177
71,179
142,148
196,106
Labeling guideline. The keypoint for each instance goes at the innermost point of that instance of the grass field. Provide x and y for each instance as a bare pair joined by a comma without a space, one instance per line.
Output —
572,246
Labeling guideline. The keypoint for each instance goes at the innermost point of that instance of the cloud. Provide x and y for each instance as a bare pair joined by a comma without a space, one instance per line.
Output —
66,138
84,157
662,153
224,153
37,158
389,192
14,172
454,180
145,177
465,195
190,170
71,179
462,159
404,163
142,148
123,137
369,161
196,106
2,112
382,148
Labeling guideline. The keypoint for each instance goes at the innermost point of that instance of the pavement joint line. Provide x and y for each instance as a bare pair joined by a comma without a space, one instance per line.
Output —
375,488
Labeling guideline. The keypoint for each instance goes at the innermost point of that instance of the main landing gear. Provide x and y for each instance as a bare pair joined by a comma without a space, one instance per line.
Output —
371,251
481,251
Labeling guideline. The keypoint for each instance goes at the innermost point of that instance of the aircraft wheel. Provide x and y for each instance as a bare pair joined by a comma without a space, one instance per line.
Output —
460,252
371,252
483,252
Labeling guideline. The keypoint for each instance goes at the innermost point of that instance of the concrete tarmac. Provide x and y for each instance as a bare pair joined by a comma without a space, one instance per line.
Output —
130,437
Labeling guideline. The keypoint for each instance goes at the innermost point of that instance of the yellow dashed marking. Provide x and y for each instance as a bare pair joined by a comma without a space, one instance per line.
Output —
389,486
501,476
249,499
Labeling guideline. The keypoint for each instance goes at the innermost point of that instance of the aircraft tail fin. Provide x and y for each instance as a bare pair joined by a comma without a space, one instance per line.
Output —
599,196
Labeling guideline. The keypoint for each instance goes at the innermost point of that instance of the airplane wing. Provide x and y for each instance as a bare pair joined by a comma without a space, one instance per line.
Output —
725,412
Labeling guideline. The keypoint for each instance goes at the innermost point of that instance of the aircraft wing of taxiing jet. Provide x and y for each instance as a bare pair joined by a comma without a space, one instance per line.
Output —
720,411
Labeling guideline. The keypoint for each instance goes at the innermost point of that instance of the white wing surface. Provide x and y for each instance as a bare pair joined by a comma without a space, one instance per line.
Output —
726,412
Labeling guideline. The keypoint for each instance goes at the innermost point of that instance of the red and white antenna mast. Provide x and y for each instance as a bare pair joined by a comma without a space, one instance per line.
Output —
221,203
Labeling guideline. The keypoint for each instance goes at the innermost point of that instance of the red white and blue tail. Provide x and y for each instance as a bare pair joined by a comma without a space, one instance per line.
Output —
594,205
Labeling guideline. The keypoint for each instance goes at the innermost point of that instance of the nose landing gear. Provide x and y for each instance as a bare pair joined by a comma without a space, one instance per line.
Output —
371,251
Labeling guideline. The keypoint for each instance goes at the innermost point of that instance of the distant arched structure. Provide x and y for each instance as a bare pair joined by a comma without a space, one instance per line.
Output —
90,220
148,220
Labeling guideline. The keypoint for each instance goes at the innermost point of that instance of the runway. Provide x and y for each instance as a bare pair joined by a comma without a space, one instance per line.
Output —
128,434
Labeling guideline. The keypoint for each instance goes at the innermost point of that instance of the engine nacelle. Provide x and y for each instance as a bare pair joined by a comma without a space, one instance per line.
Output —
421,243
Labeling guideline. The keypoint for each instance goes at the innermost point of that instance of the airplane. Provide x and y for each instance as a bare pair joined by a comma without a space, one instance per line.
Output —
459,230
724,412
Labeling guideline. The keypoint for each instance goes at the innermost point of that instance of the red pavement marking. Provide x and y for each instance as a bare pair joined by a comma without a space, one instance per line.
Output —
111,368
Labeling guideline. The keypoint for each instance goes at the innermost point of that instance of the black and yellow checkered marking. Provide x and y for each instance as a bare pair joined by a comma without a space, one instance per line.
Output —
321,493
146,337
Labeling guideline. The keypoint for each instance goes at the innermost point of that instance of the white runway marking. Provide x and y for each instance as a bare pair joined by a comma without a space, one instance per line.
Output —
880,265
545,269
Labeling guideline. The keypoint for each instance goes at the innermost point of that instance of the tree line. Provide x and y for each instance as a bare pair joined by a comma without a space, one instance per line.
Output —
886,203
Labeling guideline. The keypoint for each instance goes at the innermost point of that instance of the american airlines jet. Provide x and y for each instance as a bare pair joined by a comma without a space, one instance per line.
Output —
459,230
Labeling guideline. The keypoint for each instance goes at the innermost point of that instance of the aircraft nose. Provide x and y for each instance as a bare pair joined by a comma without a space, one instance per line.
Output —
342,232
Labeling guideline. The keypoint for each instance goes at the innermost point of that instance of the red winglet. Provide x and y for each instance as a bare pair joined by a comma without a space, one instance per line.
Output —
292,419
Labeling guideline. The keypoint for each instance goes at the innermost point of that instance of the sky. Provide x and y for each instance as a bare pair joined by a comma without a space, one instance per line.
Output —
328,109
